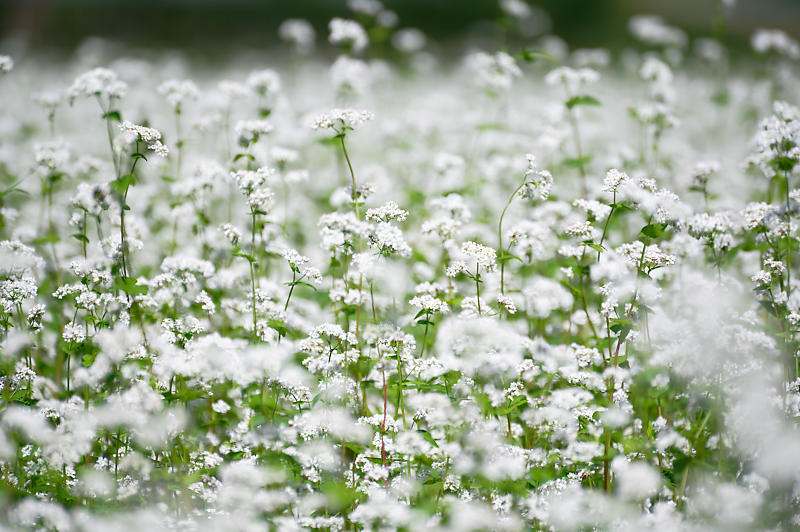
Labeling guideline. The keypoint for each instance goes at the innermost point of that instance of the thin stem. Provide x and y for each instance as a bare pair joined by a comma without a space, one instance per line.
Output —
500,234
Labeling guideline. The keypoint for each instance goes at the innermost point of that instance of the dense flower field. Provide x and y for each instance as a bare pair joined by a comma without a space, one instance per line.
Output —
536,288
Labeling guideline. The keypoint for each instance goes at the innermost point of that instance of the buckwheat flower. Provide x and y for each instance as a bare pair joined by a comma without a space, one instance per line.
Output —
98,82
296,176
507,303
702,170
494,71
614,180
249,131
593,208
299,263
655,70
388,212
776,140
261,199
14,291
571,78
483,255
347,33
298,32
341,120
429,303
231,232
764,41
220,407
456,268
367,7
249,181
388,239
73,332
351,74
35,317
92,198
652,257
757,213
762,277
539,182
581,230
516,8
6,64
409,40
265,83
52,156
152,137
178,91
651,29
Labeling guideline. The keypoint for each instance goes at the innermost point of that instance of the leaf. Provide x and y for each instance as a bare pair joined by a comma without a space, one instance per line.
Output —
138,155
505,257
581,99
427,436
519,401
129,285
529,56
120,186
113,115
597,247
247,256
576,162
80,237
490,126
301,283
243,156
653,230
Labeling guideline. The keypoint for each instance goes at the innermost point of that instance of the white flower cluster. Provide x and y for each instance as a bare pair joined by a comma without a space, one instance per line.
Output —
6,64
495,71
178,91
484,256
249,131
348,33
148,135
539,182
342,119
98,82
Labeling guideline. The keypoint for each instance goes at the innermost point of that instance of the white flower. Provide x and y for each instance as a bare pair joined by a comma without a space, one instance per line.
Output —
101,82
614,180
495,71
349,33
6,64
429,303
388,212
483,255
178,91
341,120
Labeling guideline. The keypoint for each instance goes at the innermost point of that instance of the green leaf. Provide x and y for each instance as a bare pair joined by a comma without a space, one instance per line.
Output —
121,185
596,247
129,285
428,438
576,162
653,230
243,156
138,155
80,237
113,115
505,257
581,99
529,56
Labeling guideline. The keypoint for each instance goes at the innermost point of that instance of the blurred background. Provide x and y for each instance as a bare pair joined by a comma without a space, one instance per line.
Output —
215,27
